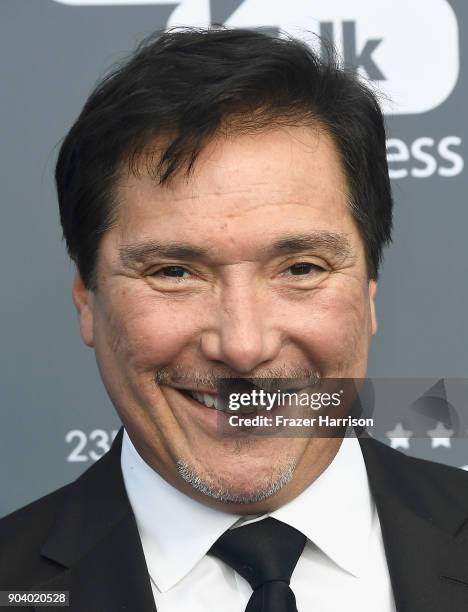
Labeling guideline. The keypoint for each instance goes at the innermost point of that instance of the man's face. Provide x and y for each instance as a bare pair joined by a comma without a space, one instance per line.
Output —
253,267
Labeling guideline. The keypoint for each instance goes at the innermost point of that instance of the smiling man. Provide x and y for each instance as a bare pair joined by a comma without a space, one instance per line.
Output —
254,266
225,197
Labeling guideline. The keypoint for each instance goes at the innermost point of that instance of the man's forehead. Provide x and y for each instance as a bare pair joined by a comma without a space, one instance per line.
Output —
264,208
279,161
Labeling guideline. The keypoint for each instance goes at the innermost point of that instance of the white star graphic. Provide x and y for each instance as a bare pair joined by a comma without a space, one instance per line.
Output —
440,436
399,437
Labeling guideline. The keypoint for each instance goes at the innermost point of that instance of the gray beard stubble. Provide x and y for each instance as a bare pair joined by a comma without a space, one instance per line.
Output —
268,489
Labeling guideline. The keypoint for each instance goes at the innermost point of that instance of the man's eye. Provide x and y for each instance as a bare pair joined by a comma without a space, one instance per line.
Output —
171,272
303,268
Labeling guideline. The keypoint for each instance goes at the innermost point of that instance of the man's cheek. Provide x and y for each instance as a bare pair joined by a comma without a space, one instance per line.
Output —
334,330
146,341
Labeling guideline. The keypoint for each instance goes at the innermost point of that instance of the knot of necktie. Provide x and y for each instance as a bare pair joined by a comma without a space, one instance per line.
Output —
265,553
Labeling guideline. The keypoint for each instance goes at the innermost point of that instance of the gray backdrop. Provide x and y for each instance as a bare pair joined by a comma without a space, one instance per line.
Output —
55,416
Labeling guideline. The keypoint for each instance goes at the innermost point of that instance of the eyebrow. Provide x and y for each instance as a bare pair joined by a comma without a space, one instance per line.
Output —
140,253
332,243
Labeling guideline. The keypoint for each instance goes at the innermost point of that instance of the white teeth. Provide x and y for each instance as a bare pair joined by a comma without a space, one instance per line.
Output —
208,400
204,398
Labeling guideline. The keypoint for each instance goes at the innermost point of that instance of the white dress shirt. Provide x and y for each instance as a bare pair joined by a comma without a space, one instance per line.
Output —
342,567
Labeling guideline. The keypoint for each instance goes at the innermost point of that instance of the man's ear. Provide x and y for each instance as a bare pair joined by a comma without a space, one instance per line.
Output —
84,302
372,293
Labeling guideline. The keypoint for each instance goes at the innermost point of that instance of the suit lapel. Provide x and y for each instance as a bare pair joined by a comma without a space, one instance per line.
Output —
96,545
423,522
111,576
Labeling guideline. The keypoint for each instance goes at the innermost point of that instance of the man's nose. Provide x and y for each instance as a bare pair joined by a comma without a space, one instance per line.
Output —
243,335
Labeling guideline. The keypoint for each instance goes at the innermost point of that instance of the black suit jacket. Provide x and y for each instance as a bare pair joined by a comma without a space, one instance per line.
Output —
83,538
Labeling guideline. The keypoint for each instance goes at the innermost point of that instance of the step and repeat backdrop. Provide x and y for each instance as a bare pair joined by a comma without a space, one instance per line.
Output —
55,417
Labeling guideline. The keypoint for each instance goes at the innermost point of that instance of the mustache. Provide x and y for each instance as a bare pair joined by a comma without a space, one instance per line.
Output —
211,379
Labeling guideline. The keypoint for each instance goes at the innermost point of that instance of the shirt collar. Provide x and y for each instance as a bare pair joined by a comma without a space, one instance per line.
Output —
336,512
176,531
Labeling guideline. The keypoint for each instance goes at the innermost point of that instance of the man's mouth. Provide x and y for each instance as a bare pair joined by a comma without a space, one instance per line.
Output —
227,398
206,399
221,403
209,400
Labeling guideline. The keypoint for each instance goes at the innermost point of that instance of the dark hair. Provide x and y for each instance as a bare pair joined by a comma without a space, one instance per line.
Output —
185,86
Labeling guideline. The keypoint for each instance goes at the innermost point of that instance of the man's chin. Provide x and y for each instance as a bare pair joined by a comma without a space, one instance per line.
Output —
247,486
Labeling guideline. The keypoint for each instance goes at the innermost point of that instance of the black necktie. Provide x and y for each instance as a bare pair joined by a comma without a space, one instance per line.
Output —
265,553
